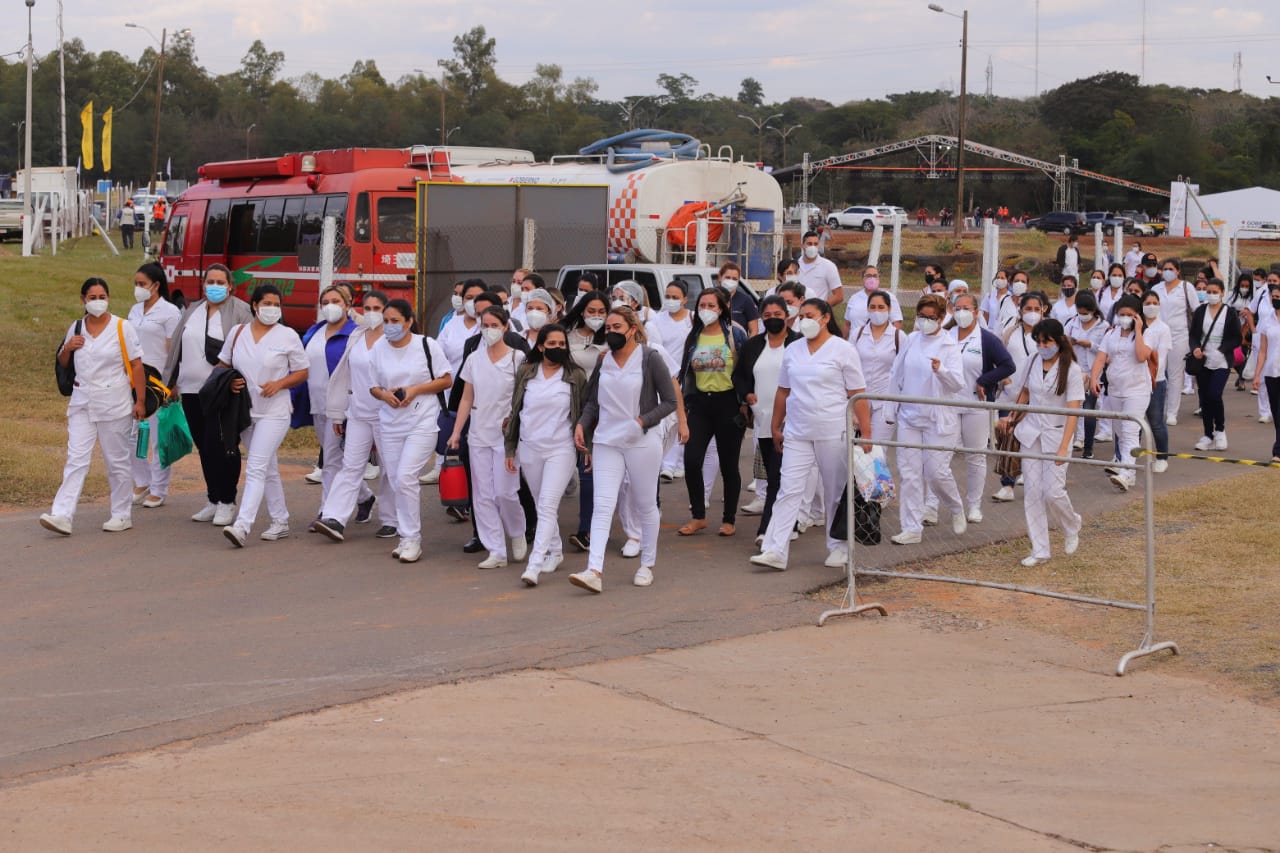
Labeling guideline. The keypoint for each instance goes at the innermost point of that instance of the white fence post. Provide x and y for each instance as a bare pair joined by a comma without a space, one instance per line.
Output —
328,242
873,255
1118,251
1097,245
897,255
1224,255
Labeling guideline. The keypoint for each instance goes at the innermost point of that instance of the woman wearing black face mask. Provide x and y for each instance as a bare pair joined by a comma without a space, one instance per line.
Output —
545,404
1268,372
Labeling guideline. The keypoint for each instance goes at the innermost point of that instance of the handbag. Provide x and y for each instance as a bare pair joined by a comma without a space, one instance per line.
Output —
1008,466
866,519
1193,364
212,346
155,392
66,376
173,440
446,419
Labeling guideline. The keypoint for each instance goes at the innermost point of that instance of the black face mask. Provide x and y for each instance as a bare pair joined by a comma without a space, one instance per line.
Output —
774,325
1068,291
1275,302
930,278
557,355
615,340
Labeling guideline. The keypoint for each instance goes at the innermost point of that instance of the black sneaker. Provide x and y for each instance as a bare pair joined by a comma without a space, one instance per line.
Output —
473,546
1088,454
364,510
330,527
458,514
386,531
581,541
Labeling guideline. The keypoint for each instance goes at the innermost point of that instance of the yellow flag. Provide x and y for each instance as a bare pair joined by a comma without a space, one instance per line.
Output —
86,137
106,140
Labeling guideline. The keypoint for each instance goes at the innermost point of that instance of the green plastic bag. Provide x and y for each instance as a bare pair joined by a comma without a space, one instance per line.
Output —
173,441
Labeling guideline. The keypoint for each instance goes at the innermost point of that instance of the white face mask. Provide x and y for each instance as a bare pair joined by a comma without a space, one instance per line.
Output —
141,294
333,312
536,319
1002,283
456,302
672,306
372,319
1097,283
1126,321
793,278
729,284
926,325
792,311
96,307
1169,275
1151,312
1214,299
809,327
810,252
619,303
469,308
1018,288
269,315
595,324
878,318
964,318
492,335
1117,280
708,317
1032,317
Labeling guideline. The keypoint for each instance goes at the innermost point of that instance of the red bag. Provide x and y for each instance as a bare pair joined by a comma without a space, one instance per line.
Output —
453,483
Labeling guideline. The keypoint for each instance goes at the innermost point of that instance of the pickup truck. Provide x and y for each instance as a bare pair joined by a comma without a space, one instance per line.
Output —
10,219
654,278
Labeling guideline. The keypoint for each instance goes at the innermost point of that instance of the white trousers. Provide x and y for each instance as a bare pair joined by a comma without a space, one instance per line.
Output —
348,485
640,463
1175,371
1045,502
916,468
1264,399
494,502
1127,432
975,431
812,504
116,438
548,474
799,459
334,460
402,456
262,472
148,473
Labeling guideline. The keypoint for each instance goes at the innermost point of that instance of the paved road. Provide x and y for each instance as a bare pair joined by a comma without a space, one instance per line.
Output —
121,642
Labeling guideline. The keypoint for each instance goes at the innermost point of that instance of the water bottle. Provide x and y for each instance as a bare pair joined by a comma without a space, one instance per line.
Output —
144,439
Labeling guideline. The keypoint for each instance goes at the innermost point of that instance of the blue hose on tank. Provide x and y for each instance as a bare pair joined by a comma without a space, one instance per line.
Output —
625,154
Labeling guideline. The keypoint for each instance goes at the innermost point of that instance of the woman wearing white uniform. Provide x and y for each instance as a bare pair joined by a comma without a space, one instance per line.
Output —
410,373
545,404
490,375
453,337
929,366
585,322
627,397
1268,371
1159,337
674,322
1017,339
270,360
818,376
1085,331
1125,354
878,343
1051,379
199,337
154,318
1178,299
633,295
352,415
539,312
98,347
986,364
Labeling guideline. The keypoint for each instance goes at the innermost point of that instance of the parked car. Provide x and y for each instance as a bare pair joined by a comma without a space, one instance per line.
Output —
10,219
1060,222
799,214
865,217
1110,221
654,278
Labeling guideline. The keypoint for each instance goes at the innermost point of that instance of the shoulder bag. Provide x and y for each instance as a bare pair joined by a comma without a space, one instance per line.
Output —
66,376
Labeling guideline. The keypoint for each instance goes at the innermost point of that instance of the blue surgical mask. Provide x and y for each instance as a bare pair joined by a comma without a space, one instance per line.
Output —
1047,351
215,293
393,331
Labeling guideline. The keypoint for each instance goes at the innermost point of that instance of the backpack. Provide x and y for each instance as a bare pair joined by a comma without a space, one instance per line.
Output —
66,376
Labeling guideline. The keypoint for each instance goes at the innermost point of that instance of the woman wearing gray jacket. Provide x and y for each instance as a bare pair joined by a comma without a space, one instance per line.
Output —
197,340
629,394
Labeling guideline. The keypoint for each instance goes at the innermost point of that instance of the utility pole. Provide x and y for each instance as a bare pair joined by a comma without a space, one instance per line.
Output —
155,140
62,85
28,209
760,125
444,138
246,139
964,68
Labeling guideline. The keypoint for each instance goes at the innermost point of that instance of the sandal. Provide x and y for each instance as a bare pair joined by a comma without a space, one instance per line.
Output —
727,529
696,525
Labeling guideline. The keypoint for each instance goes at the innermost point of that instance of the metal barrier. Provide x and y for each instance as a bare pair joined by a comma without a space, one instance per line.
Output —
1142,463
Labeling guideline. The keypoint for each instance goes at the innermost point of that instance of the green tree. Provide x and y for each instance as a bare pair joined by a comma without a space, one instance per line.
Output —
751,93
475,56
259,68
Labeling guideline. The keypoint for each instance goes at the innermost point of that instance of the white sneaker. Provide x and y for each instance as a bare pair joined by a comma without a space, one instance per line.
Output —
756,507
1187,390
117,525
206,514
400,546
430,478
666,475
1121,482
930,516
1171,420
958,524
493,561
1004,495
588,580
770,560
1032,560
631,548
372,472
56,523
1265,419
152,502
679,473
1070,543
518,548
1204,443
1018,482
553,562
1158,467
644,576
759,540
316,476
906,537
1219,441
803,523
836,559
530,576
1078,444
1102,438
234,535
410,552
277,530
139,496
975,514
225,514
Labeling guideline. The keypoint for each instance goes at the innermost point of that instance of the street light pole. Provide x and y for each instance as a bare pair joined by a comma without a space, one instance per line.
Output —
760,125
28,227
964,67
246,139
449,133
784,135
444,137
155,139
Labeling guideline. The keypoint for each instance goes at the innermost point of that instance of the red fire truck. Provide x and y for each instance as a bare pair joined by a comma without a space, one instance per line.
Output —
263,219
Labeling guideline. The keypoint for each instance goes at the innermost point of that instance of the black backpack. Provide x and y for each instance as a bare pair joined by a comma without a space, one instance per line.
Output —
66,376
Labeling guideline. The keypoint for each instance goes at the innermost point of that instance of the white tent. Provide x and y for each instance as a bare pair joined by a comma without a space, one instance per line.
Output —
1251,212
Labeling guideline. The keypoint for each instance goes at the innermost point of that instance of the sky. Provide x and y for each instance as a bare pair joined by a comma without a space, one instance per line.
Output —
835,50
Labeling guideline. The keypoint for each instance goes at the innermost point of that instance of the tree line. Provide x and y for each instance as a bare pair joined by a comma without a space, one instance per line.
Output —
1109,122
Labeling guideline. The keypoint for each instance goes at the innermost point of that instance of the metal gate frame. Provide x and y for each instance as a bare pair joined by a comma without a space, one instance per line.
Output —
1145,452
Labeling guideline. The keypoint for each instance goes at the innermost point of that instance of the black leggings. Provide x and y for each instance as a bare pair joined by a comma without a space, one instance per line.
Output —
1273,397
772,459
1211,384
221,469
713,415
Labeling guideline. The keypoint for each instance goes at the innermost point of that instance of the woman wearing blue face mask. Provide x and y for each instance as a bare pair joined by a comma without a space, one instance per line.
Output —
197,340
155,318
